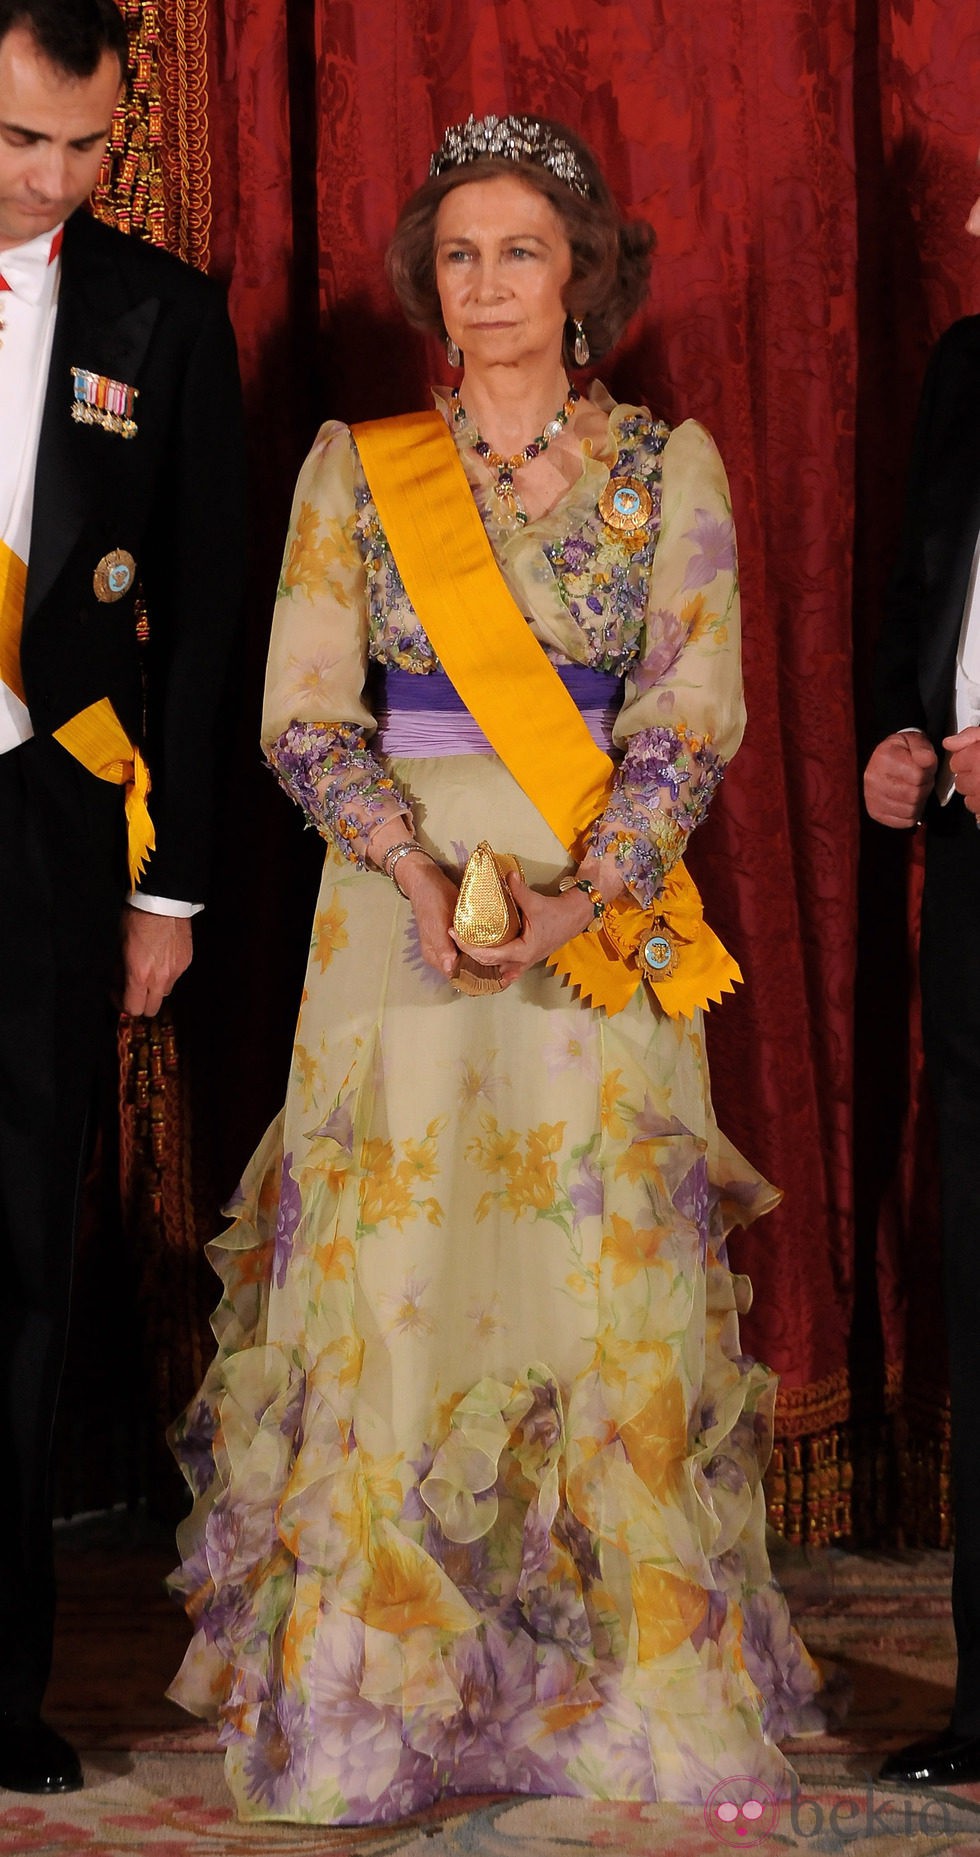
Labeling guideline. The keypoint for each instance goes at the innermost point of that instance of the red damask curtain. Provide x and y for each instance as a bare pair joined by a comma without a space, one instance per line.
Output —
807,165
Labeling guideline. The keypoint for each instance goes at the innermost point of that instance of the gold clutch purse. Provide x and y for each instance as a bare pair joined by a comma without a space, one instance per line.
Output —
486,914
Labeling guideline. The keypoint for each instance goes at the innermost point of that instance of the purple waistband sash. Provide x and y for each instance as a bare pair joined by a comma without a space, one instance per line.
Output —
425,715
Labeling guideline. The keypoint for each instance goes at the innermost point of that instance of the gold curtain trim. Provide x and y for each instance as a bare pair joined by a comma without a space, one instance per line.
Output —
801,1410
184,95
156,175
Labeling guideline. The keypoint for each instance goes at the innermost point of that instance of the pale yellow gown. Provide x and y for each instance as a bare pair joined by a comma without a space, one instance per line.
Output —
478,1463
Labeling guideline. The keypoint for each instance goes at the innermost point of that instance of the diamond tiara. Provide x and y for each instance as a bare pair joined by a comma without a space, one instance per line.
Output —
509,138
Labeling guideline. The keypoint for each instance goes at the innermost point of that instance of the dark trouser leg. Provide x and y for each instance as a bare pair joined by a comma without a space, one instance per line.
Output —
951,1029
48,1027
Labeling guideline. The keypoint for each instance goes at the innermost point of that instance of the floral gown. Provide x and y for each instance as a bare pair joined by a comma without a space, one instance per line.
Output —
477,1467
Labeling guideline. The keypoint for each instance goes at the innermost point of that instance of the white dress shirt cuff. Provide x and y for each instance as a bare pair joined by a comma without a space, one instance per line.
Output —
163,905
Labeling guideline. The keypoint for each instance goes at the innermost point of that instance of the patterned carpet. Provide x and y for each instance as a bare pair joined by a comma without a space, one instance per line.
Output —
154,1778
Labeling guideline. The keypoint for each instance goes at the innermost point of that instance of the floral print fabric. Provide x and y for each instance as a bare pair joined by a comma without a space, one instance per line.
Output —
478,1465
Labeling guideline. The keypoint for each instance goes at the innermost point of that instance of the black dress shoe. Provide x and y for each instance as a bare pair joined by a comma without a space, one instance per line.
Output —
947,1759
33,1759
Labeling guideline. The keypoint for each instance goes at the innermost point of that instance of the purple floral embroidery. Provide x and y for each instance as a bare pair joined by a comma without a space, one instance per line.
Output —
287,1219
663,788
715,538
331,773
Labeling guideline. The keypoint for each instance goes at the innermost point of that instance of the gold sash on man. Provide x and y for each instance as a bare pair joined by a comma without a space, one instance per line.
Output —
13,587
489,653
95,737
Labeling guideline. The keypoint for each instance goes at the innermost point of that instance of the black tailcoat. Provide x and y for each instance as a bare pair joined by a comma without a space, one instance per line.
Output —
171,497
916,671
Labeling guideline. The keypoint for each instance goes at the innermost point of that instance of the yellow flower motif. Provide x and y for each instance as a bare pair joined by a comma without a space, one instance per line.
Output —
610,1106
499,1151
329,933
667,1610
619,1363
420,1156
696,618
334,1259
545,1139
629,1250
408,1593
382,1483
349,1350
656,1440
638,1162
532,1188
309,559
305,1066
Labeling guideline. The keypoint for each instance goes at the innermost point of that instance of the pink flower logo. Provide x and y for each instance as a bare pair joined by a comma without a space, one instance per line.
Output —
740,1812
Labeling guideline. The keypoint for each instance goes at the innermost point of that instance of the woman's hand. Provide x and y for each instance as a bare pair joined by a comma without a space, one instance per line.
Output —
549,921
433,898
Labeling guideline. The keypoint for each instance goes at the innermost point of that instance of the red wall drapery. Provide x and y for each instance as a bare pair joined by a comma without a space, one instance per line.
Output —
807,169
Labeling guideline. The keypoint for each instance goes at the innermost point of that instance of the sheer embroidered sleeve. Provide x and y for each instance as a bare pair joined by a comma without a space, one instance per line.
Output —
683,714
316,726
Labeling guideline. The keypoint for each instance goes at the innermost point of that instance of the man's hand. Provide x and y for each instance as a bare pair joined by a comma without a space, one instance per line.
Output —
155,952
900,777
964,765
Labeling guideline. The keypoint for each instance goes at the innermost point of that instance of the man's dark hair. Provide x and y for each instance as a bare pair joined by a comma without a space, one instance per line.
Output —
73,35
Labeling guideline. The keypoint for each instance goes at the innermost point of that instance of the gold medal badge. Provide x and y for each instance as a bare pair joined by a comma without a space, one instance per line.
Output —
626,507
114,575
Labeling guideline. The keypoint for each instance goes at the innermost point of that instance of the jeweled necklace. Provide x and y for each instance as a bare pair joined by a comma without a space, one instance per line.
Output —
505,467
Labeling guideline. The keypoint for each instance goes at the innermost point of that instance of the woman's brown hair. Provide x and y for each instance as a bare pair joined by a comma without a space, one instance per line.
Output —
610,254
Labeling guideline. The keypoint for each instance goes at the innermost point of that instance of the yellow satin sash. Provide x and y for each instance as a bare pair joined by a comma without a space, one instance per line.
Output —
97,739
489,653
13,587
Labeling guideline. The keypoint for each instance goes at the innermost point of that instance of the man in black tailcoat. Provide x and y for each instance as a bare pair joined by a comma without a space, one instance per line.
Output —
120,491
927,768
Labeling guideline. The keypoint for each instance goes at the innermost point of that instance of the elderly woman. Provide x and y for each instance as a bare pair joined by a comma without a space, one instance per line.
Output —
478,1465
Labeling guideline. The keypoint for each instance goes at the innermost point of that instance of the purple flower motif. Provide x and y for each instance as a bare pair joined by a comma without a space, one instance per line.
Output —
555,1614
723,1473
413,1508
193,1444
692,1198
709,1628
577,1539
415,959
275,1765
666,638
655,753
355,1743
487,1744
339,1125
594,604
779,1666
576,553
541,1425
537,1551
586,1191
287,1219
714,537
650,1125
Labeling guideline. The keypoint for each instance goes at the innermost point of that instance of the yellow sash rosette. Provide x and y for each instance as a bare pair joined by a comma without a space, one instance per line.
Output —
487,649
97,739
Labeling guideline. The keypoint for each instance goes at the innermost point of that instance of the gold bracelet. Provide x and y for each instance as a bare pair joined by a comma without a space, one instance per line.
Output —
595,897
